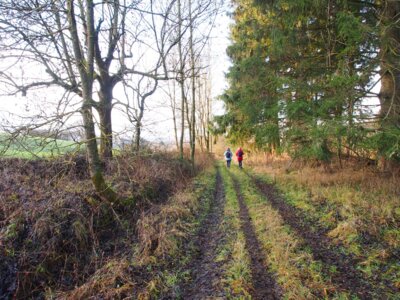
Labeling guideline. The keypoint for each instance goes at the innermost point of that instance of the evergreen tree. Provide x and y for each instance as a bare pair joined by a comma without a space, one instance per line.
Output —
302,73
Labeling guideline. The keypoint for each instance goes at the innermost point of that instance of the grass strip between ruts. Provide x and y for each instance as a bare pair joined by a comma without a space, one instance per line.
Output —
237,277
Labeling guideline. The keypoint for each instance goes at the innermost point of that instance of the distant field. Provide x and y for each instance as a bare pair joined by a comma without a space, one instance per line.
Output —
34,147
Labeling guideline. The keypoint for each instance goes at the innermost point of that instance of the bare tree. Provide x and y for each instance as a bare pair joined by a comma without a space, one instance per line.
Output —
85,66
38,32
199,21
181,77
61,39
82,47
204,112
144,88
160,39
171,93
86,48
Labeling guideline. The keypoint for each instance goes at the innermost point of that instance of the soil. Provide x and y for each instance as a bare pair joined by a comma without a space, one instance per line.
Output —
347,277
204,270
264,284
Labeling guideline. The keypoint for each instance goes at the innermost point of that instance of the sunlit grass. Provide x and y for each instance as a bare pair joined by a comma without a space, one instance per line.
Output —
35,147
353,203
237,267
299,275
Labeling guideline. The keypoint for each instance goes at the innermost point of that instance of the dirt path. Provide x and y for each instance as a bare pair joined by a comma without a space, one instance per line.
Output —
206,273
346,277
264,285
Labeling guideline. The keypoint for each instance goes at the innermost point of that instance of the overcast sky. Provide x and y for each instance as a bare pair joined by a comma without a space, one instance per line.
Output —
157,119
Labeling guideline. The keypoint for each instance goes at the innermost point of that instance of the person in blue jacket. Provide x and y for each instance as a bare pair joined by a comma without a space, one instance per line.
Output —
228,157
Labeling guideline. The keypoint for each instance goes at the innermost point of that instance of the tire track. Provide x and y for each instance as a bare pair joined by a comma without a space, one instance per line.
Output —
264,284
205,272
346,277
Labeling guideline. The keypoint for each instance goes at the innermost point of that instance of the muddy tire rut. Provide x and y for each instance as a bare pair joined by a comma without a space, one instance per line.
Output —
347,277
264,284
206,273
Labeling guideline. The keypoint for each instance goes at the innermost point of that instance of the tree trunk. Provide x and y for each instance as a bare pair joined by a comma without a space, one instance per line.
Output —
193,62
181,79
182,120
208,140
138,129
189,121
389,95
86,72
104,110
173,107
175,129
95,164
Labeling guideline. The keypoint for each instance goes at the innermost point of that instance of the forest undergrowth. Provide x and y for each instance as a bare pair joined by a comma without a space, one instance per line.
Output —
59,240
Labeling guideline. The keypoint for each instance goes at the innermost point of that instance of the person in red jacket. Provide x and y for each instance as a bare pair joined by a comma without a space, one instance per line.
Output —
239,155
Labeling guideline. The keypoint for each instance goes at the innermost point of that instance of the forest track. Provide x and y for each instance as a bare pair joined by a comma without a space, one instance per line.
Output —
346,277
206,273
264,284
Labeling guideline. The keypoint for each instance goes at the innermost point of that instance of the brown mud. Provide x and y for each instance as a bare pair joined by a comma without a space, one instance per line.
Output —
205,272
346,277
264,284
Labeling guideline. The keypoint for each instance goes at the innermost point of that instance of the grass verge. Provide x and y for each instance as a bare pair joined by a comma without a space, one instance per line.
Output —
363,222
166,237
58,241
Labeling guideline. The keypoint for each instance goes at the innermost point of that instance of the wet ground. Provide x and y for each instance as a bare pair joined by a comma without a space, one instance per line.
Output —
205,271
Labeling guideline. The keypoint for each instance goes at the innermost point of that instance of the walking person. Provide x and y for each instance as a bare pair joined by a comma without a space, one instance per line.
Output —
228,157
239,155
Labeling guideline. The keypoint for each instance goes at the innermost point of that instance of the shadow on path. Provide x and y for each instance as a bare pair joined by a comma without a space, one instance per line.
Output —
346,277
264,284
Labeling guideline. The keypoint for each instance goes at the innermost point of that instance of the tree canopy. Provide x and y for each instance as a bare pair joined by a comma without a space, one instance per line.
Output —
305,75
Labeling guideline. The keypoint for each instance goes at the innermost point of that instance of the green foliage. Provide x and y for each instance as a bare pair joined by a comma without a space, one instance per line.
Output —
301,73
388,143
313,146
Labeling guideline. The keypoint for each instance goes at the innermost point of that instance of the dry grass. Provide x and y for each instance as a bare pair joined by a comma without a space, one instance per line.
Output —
112,281
160,228
149,178
359,205
352,173
362,196
55,229
163,230
160,232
